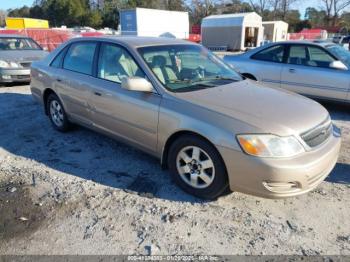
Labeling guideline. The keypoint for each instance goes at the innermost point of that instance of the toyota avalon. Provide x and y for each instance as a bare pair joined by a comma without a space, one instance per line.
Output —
213,129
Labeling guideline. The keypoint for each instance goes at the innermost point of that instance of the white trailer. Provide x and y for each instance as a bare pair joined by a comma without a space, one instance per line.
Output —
154,22
275,31
232,31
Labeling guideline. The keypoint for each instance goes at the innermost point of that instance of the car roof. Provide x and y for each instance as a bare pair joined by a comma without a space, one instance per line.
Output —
290,42
13,36
138,41
296,42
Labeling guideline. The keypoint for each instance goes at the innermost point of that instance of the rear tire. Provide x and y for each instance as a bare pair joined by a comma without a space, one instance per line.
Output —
57,114
197,167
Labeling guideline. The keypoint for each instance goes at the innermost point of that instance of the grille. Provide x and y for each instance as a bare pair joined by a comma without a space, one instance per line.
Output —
26,64
319,134
20,77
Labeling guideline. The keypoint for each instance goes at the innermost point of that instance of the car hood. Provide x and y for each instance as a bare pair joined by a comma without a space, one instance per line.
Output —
22,55
272,110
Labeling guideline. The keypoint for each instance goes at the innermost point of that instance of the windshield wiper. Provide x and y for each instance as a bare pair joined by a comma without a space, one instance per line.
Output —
194,87
218,77
179,81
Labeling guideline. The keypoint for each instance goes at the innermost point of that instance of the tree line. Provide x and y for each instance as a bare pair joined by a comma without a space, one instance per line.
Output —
97,13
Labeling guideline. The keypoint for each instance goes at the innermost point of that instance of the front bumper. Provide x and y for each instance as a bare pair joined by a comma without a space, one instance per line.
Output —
9,75
279,178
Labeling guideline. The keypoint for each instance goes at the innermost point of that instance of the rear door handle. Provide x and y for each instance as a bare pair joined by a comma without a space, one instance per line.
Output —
97,94
292,70
59,80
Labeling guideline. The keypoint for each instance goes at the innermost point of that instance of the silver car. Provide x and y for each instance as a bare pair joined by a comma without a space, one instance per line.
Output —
318,70
179,102
16,55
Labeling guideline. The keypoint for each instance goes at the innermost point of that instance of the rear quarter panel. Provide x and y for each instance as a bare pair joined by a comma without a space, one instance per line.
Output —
43,78
241,64
42,75
37,85
267,73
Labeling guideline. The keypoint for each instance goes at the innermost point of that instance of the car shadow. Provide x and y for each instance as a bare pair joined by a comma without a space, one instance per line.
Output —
338,111
13,84
340,174
26,131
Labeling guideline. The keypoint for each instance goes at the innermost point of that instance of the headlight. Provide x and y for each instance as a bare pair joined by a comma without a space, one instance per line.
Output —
14,65
270,145
4,64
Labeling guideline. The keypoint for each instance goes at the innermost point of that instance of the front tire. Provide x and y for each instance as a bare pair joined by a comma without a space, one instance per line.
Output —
57,114
197,167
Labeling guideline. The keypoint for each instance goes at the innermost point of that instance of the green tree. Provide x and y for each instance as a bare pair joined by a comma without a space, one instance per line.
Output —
236,6
19,12
92,18
317,18
292,17
345,21
65,12
36,12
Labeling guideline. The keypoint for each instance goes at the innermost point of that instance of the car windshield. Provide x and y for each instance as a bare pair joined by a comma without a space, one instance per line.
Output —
16,43
186,68
340,52
336,39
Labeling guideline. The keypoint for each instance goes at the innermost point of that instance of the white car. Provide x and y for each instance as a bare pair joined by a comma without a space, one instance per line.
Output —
319,70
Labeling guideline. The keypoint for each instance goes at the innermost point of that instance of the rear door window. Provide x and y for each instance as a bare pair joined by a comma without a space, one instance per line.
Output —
271,54
80,57
57,62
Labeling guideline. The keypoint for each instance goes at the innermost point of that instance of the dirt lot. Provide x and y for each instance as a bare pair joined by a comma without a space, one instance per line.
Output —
82,193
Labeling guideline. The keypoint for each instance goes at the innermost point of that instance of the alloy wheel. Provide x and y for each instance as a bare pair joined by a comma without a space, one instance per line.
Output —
56,113
195,167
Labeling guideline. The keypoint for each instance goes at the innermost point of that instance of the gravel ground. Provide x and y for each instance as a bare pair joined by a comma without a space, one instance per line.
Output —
83,193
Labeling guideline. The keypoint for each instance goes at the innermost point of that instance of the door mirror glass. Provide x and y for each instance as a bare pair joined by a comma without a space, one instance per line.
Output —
137,84
338,65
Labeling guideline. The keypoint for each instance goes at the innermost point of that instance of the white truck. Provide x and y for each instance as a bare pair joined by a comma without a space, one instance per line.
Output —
154,22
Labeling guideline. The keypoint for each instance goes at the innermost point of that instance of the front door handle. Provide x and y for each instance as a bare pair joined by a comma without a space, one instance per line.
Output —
292,70
59,80
97,94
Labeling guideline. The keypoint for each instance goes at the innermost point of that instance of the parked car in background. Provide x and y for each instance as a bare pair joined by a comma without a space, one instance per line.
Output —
16,55
337,39
319,70
179,102
343,41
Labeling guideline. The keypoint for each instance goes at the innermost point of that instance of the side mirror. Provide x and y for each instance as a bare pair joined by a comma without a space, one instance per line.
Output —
338,65
137,84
